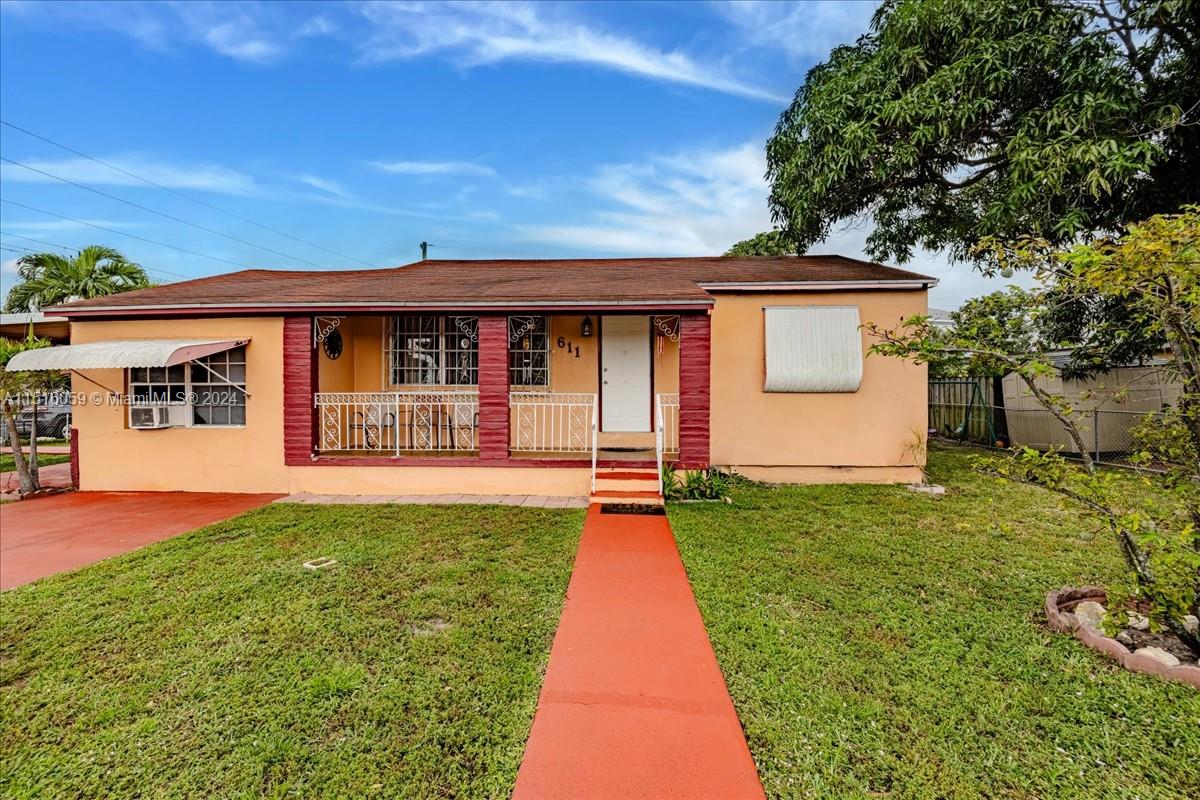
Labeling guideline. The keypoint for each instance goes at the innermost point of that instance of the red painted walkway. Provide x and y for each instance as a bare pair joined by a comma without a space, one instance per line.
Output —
53,534
634,704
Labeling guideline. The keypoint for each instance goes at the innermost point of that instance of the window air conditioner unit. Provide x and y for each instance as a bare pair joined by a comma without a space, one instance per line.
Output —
147,418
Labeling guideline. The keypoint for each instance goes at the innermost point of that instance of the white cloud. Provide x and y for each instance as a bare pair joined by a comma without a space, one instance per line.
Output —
205,177
251,31
694,203
804,31
324,184
702,201
246,32
433,168
487,33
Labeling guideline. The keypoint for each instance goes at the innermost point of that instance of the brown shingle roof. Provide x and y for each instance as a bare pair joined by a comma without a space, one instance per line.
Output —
481,283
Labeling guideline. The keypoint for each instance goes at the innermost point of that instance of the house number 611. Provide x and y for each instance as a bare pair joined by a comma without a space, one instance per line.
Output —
570,347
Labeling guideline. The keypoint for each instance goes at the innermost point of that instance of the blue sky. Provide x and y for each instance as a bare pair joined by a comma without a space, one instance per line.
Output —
357,130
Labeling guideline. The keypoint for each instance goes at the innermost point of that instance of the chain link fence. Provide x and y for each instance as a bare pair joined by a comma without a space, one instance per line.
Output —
965,410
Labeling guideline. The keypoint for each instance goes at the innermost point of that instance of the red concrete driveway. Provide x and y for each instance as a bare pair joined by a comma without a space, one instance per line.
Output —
54,534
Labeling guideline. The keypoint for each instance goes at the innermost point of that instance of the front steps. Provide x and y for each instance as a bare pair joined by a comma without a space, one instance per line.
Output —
626,486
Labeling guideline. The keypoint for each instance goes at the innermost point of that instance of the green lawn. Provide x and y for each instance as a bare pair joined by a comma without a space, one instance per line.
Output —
7,464
881,643
214,665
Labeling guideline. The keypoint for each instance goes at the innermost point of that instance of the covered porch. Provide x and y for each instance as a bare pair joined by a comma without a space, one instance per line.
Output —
592,388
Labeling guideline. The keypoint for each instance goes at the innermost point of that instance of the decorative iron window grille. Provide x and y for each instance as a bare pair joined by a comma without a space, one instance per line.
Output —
433,351
529,351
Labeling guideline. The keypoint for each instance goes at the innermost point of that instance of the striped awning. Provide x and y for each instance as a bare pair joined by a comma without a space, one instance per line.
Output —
120,354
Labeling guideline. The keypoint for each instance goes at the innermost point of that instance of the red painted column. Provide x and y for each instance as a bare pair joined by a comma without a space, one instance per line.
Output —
694,390
493,387
299,384
74,441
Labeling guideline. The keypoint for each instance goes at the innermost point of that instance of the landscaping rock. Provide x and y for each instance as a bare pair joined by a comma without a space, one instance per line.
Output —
1159,655
1124,638
1090,613
927,488
1191,624
1139,622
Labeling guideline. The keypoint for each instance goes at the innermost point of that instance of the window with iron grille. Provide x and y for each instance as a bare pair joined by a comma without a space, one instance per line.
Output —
433,351
213,387
529,351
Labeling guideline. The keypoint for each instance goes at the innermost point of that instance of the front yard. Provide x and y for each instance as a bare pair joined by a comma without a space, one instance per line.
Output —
215,665
885,644
876,643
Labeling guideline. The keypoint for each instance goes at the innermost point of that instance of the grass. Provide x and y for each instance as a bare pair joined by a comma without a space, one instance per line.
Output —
8,464
879,643
214,665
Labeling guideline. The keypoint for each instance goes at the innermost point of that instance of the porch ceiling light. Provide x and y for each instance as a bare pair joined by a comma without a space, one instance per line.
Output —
585,328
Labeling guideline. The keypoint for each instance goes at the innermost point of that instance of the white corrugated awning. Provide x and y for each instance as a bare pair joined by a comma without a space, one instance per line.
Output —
813,349
120,354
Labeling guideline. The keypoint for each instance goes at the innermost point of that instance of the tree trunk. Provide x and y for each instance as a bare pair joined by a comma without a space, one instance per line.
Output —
33,447
1067,423
29,482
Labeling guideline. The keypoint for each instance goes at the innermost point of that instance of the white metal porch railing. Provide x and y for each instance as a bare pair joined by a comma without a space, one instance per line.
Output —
668,406
397,421
553,422
666,431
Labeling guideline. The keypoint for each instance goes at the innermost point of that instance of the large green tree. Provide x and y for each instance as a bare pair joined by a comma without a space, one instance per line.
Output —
950,121
48,278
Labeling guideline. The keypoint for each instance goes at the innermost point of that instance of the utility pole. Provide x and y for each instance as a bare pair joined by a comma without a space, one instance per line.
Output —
424,250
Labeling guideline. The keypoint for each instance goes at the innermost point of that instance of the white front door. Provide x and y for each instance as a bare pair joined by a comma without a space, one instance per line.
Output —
625,374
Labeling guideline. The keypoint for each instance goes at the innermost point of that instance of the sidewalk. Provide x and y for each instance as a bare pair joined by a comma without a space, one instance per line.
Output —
634,703
52,476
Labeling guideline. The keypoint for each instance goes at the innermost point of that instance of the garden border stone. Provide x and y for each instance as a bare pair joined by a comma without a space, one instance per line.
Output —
1061,619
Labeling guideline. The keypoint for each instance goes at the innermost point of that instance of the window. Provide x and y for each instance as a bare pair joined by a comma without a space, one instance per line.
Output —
213,388
813,349
529,351
218,388
433,351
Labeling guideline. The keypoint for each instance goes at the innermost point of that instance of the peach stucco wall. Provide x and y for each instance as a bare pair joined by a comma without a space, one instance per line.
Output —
875,427
245,459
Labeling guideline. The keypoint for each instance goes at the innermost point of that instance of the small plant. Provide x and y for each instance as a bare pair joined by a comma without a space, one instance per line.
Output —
672,488
706,484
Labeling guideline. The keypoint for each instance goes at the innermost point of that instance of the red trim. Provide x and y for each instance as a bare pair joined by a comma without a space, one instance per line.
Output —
299,383
695,355
630,476
278,311
74,440
493,388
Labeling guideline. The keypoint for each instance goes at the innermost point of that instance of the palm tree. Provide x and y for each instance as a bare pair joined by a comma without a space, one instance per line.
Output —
48,278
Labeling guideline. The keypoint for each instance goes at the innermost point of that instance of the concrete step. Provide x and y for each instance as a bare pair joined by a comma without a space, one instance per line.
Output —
627,481
627,498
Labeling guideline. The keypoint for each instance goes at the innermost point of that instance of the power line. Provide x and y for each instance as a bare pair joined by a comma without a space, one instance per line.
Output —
182,194
40,241
123,233
159,270
159,213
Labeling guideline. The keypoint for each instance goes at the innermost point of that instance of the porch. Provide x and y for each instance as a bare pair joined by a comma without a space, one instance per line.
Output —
594,389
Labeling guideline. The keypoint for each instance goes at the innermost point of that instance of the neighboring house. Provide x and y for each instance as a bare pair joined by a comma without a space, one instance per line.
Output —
18,326
494,377
940,318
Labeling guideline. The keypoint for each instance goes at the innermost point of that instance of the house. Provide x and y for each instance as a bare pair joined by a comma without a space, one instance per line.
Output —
494,377
21,324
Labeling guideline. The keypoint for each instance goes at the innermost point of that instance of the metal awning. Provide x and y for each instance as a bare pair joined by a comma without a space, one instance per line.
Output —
120,354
